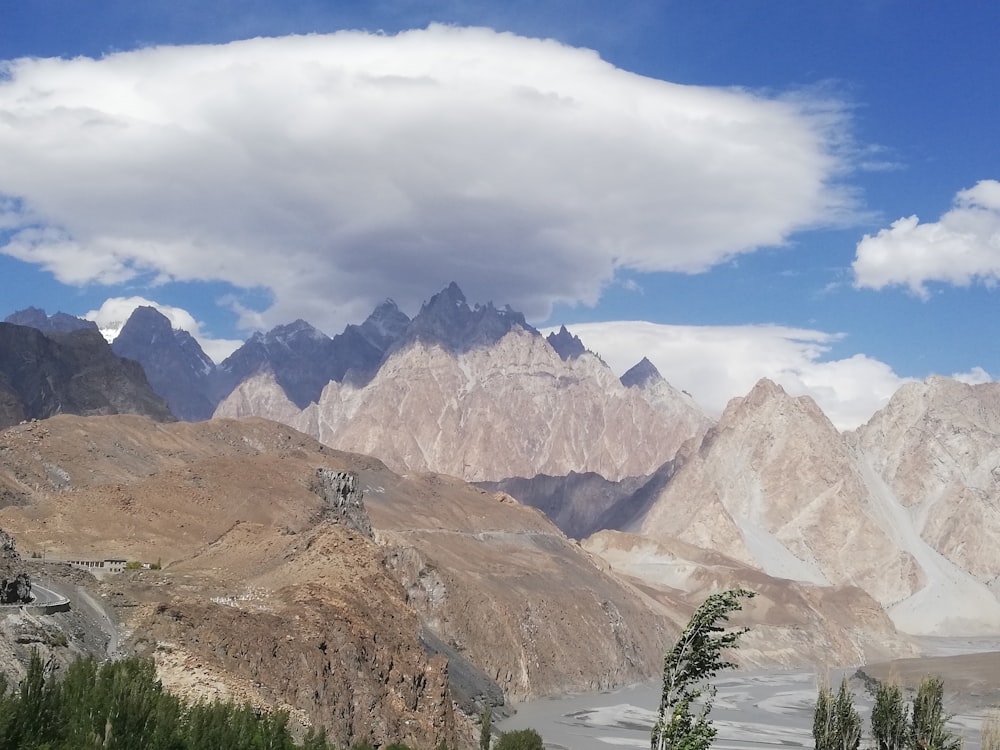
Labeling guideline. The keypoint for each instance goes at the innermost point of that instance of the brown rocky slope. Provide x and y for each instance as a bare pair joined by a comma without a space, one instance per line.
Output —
275,595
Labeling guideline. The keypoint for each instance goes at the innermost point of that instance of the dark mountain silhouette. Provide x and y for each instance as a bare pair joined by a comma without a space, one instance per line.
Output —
175,365
304,360
35,317
566,344
42,375
641,374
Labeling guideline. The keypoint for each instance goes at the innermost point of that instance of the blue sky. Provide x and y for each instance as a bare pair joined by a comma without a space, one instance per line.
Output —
712,168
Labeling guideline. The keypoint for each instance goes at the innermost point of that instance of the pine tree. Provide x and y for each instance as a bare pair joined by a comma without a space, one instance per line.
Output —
694,660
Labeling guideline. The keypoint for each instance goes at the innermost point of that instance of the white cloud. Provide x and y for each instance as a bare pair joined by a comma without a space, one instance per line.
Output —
717,363
959,249
337,170
115,311
975,376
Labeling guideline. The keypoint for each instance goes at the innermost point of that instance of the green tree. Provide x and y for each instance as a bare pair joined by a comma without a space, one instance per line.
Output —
890,717
687,668
486,728
520,739
846,722
824,737
927,730
836,723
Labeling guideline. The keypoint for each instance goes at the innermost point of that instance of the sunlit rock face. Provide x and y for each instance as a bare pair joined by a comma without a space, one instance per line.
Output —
476,392
937,446
513,408
776,486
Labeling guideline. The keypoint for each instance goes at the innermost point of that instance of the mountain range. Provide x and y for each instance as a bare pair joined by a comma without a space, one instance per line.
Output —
854,539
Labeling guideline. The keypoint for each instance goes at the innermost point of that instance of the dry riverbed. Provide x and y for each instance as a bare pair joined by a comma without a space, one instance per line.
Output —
763,709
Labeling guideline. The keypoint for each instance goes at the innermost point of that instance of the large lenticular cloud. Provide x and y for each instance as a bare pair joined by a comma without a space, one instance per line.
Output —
334,170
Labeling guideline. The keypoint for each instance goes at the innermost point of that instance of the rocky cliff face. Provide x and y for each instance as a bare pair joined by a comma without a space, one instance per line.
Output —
513,408
68,373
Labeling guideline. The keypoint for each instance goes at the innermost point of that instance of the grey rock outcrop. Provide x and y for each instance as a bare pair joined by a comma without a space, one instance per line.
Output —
15,585
15,589
343,499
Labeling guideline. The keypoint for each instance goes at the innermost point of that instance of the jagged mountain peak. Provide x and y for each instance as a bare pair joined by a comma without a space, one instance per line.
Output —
446,319
567,345
298,328
146,317
385,325
175,364
767,402
641,374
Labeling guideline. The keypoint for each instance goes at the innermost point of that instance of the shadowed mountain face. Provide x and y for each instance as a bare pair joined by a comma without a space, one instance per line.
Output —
584,504
640,374
70,373
567,345
576,503
174,362
303,360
